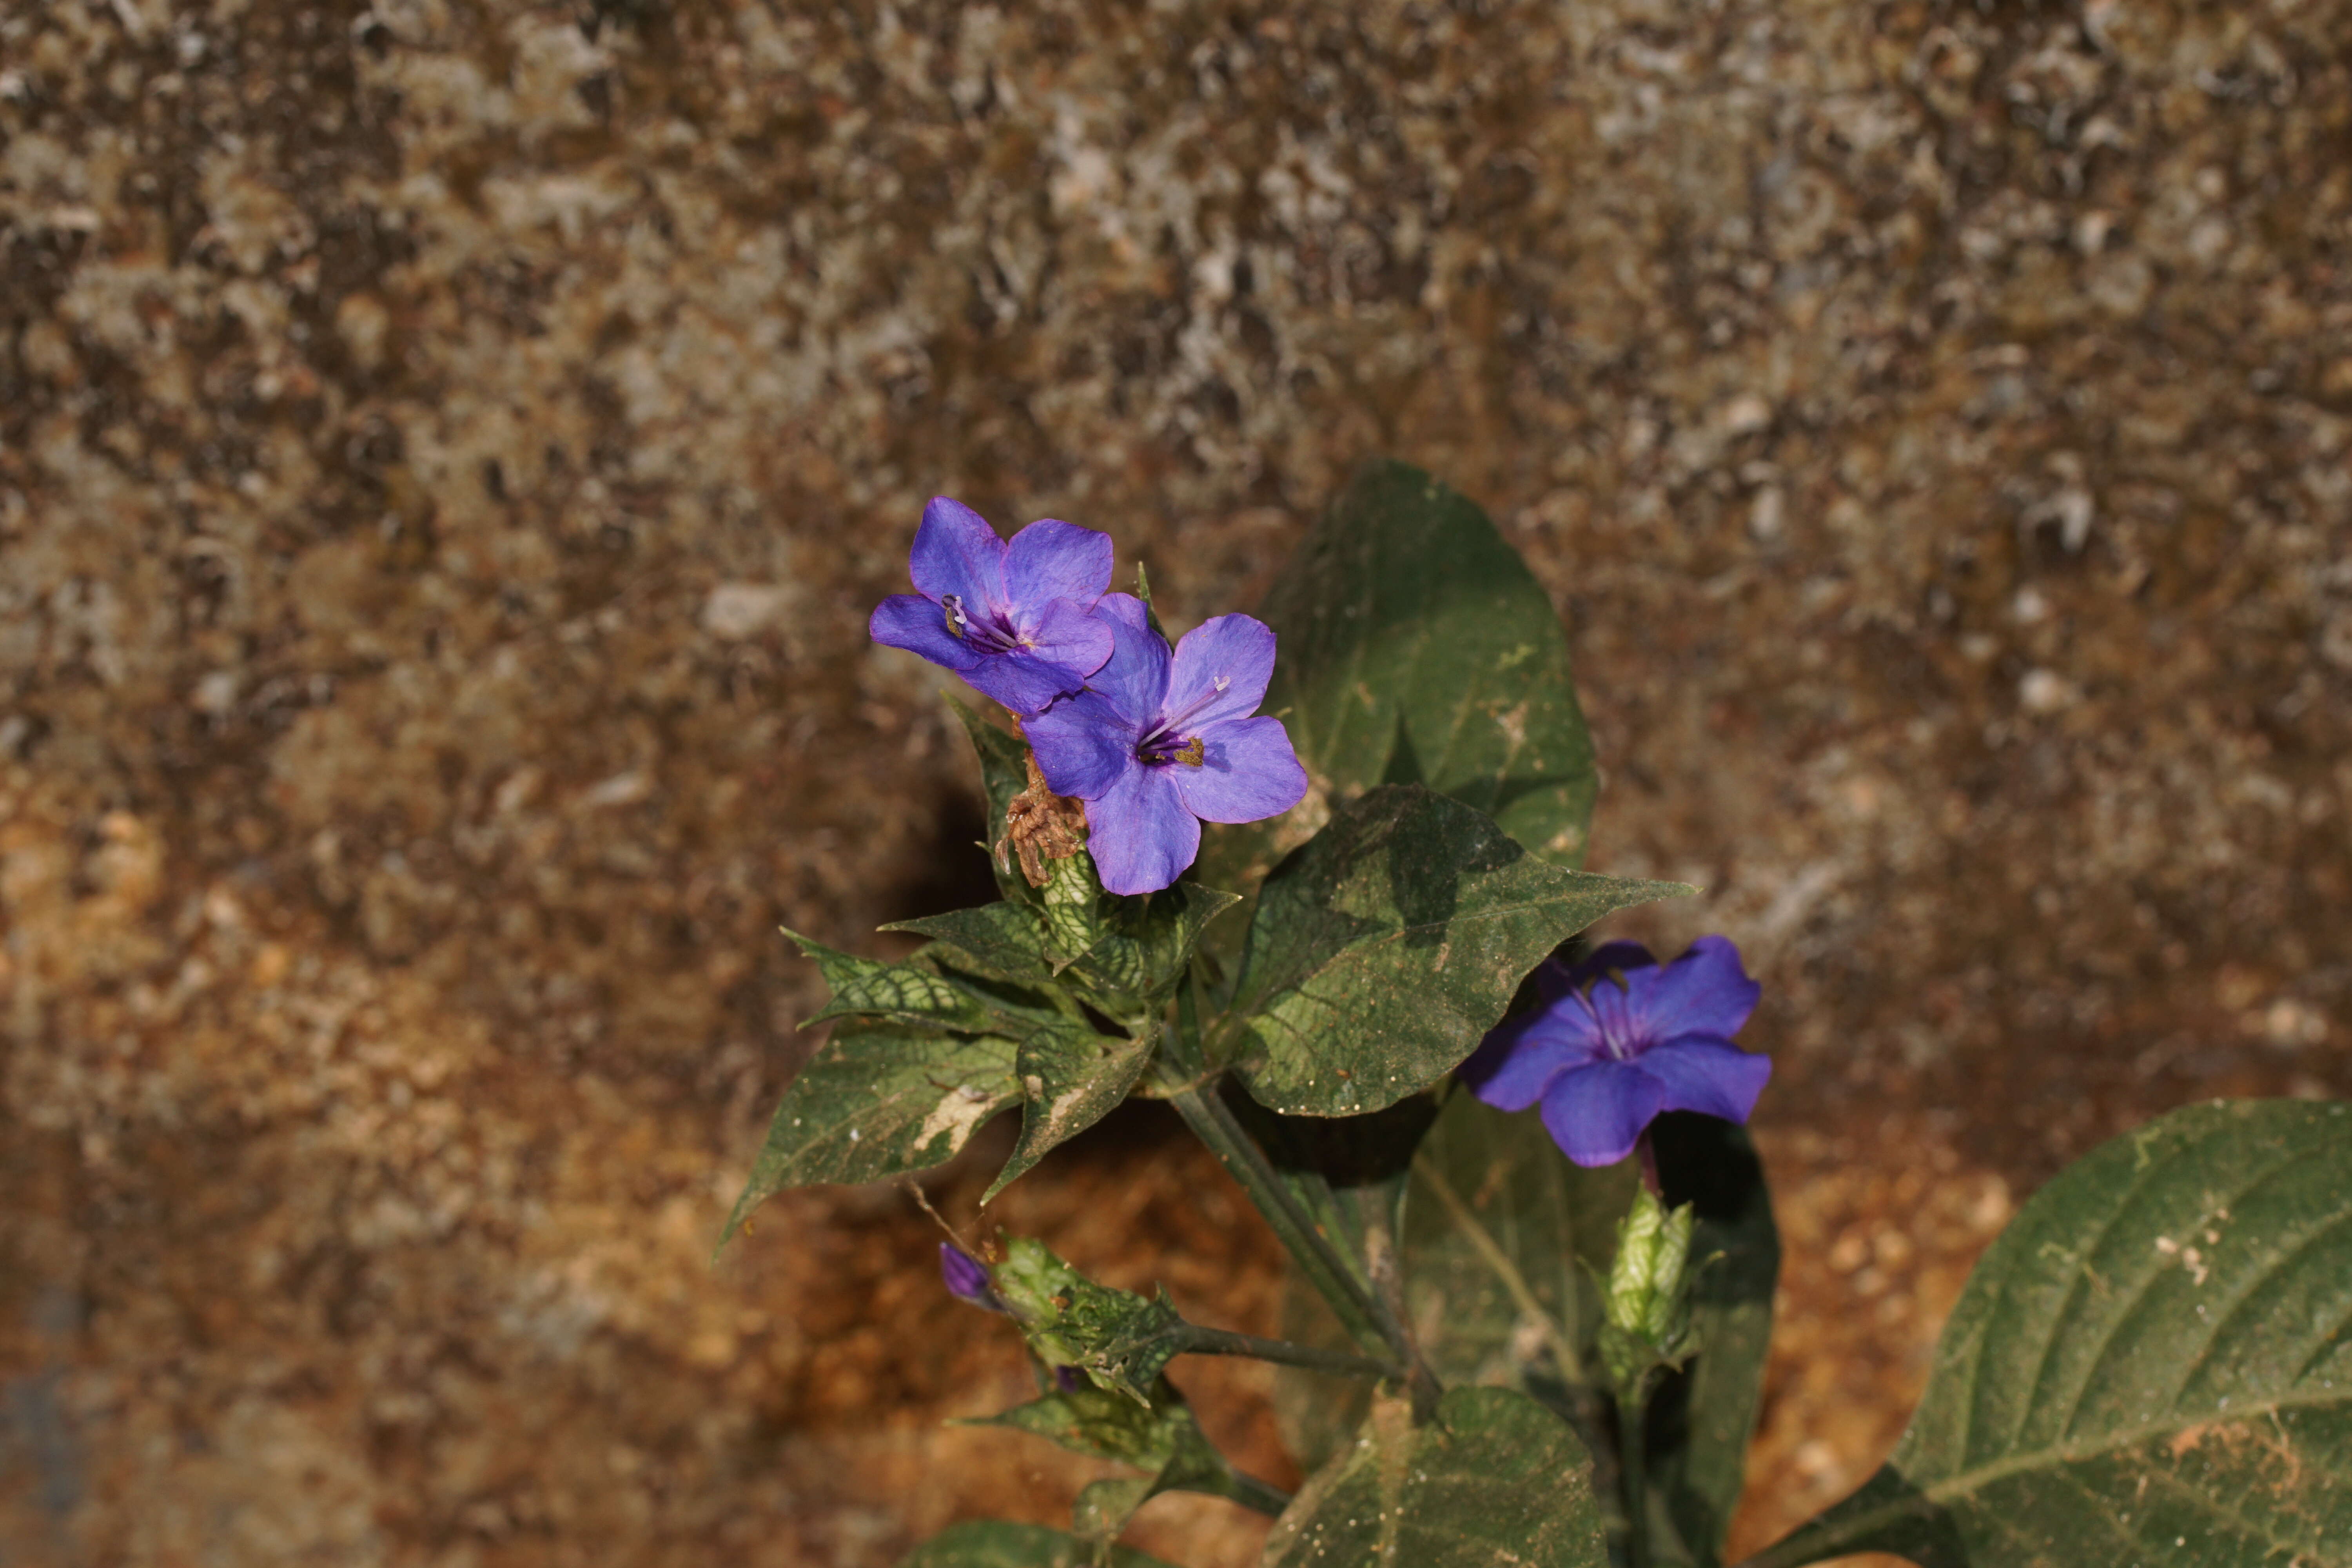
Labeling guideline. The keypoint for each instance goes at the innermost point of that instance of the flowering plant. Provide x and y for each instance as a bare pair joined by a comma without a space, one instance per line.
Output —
1312,877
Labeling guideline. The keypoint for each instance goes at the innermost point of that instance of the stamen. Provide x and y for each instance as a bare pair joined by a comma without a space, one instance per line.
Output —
953,605
1160,749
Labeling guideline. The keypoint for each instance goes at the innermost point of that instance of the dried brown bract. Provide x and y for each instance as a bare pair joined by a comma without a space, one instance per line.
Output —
1042,826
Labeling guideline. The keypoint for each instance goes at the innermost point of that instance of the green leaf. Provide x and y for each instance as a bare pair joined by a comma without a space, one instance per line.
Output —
1002,938
1143,944
878,1099
1004,773
1106,1425
1504,1237
1104,1507
1159,1437
1383,950
1348,1175
1347,1171
911,993
1702,1416
1071,1077
1126,954
1494,1478
1120,1339
1314,1413
1129,952
1076,912
1000,1543
2152,1365
1416,647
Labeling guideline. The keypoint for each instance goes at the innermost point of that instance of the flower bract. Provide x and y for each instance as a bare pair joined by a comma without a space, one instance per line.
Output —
1160,743
1617,1039
1015,619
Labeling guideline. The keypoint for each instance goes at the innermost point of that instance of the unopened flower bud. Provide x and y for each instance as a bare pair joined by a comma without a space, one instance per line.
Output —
1118,1339
1038,1289
1652,1251
1648,1304
967,1278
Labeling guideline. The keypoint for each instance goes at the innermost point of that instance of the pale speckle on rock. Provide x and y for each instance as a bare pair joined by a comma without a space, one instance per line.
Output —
2046,691
736,610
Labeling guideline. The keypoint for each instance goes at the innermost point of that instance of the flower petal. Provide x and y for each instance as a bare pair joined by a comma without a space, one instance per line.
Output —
1136,678
966,1277
1052,560
1083,747
1703,1073
1140,834
1511,1069
1595,1113
1021,680
1573,1028
1234,650
1067,637
957,552
914,623
1248,772
1125,607
1704,992
1611,1007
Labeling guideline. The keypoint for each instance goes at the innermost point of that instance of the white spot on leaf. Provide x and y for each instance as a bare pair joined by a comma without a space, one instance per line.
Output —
957,1113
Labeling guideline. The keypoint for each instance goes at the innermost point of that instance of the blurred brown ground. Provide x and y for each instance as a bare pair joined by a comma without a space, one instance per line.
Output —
447,454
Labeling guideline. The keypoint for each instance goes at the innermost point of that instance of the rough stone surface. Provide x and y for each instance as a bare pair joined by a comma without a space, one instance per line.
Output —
448,453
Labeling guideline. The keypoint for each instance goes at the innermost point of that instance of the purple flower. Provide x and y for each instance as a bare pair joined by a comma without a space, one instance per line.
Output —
1605,1055
1158,743
1013,619
967,1278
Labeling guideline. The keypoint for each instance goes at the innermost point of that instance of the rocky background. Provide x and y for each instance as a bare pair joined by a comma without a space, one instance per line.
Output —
447,454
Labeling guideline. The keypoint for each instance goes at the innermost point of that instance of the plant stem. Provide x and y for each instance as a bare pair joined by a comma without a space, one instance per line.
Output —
1208,1116
1253,1493
1198,1341
1206,1113
1632,1412
1381,1256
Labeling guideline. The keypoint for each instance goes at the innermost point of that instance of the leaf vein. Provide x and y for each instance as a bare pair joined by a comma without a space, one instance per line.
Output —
2058,1319
2129,1307
2245,1296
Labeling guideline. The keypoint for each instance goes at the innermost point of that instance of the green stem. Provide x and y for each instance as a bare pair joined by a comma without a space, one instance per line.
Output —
1195,1339
1209,1118
1632,1419
1388,1299
1253,1493
1584,1408
1206,1113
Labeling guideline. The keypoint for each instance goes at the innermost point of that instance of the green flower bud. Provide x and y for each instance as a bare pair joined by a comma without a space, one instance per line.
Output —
1648,1303
1120,1339
1040,1289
